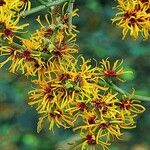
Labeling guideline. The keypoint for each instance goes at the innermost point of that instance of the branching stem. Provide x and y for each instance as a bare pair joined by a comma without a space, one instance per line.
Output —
41,7
102,83
123,92
70,10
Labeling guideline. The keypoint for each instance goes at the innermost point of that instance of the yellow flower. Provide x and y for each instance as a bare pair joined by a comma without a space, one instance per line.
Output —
108,130
105,131
96,106
23,59
24,4
65,86
132,106
54,40
9,25
56,117
14,7
12,54
78,108
129,109
64,47
81,80
46,95
7,6
71,83
89,143
47,29
101,116
69,28
105,115
133,17
112,70
50,98
55,23
105,105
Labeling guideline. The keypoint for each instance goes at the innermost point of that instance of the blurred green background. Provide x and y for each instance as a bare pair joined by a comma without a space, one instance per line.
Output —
98,39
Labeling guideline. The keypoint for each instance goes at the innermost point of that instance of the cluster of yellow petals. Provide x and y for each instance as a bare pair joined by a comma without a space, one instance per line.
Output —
52,41
133,17
70,96
67,92
9,17
113,70
104,116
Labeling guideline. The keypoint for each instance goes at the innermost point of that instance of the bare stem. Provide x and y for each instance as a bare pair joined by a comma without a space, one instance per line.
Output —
41,7
72,143
70,10
121,91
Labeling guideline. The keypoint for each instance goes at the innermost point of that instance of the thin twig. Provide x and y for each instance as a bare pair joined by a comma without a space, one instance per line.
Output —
121,91
70,10
72,143
41,7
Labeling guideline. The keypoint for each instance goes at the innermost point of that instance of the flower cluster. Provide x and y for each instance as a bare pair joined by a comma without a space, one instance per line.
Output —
9,17
71,96
48,45
69,91
10,30
133,17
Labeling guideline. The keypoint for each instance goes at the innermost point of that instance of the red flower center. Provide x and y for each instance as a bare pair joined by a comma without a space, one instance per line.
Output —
90,140
48,92
48,33
8,32
125,104
26,54
65,19
57,54
56,114
36,65
78,79
99,104
2,2
82,106
129,14
64,77
91,120
111,73
60,47
104,125
144,1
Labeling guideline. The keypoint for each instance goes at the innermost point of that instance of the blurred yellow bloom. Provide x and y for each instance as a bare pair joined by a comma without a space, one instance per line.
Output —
133,17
